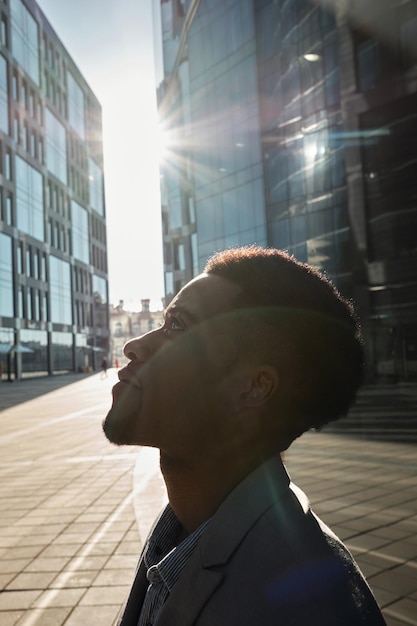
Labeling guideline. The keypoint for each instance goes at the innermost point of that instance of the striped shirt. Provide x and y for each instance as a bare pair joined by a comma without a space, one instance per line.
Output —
165,562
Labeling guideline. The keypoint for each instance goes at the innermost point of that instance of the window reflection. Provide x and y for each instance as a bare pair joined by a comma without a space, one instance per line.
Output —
60,291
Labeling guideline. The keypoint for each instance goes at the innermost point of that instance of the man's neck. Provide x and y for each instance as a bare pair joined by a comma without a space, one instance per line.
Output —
197,489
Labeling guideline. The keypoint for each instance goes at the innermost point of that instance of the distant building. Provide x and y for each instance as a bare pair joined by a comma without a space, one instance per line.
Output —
53,255
125,325
293,124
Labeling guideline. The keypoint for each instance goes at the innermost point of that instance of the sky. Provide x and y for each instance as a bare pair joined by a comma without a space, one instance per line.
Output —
112,45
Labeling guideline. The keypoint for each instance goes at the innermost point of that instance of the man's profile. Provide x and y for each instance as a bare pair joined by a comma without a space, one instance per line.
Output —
253,352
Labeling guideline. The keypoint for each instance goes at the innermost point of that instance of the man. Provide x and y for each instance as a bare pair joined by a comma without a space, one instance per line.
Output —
253,352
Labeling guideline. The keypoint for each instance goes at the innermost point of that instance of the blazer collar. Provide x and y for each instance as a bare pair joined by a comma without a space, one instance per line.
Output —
243,506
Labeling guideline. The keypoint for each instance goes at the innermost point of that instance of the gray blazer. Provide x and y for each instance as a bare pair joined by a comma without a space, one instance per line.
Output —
265,559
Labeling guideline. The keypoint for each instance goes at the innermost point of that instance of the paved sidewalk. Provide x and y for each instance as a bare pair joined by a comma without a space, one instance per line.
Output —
68,536
75,510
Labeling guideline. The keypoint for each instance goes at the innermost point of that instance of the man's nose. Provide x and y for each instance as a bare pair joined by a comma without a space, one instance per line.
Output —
143,347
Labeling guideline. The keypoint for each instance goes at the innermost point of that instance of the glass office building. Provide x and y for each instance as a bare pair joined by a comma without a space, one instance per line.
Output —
291,123
53,258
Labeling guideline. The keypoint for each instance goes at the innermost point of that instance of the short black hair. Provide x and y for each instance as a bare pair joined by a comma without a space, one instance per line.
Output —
311,334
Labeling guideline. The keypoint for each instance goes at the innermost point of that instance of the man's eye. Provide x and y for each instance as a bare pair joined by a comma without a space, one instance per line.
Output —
175,324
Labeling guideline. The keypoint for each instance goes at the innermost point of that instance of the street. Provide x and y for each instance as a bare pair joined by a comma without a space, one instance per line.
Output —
68,537
76,509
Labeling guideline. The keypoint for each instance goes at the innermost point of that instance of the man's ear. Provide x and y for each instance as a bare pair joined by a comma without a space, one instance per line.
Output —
260,384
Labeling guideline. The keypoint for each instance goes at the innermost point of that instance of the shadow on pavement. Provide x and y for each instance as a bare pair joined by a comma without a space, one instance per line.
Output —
23,390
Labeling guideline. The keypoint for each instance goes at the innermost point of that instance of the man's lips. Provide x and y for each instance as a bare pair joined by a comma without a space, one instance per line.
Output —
127,376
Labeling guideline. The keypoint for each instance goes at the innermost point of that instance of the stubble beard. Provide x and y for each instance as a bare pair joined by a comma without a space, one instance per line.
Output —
120,423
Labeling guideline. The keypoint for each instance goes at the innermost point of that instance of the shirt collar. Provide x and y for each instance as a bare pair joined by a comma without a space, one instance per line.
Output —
163,554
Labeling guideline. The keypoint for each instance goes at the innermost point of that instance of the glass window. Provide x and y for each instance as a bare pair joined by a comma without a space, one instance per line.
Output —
56,147
16,129
6,341
194,253
118,329
60,291
80,236
100,288
3,32
75,105
368,64
25,39
8,165
37,341
9,211
408,40
96,187
62,355
169,283
29,199
100,302
179,252
6,276
4,96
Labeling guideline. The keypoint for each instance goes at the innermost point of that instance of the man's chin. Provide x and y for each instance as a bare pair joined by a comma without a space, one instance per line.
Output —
112,429
120,422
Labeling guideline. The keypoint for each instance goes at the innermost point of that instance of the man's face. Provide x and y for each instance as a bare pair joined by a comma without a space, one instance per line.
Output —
167,396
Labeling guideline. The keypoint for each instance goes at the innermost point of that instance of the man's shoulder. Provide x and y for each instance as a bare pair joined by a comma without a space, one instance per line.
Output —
292,563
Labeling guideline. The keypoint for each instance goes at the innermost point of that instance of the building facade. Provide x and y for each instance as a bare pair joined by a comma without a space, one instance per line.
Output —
125,325
53,256
292,124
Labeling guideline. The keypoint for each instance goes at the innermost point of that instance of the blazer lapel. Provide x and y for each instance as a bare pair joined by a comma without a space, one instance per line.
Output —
129,615
190,594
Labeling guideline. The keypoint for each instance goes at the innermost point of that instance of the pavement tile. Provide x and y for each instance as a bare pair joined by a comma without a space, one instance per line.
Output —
128,547
132,535
123,561
7,542
12,600
72,538
402,549
377,559
367,569
90,517
86,563
59,597
367,541
395,531
83,529
100,596
412,539
6,578
33,540
45,564
404,608
101,549
10,618
110,536
74,579
385,598
19,552
44,617
394,581
103,615
13,565
61,549
407,570
114,577
35,580
15,531
392,621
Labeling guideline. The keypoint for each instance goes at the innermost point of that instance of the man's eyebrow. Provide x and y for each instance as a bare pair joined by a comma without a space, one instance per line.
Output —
178,310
